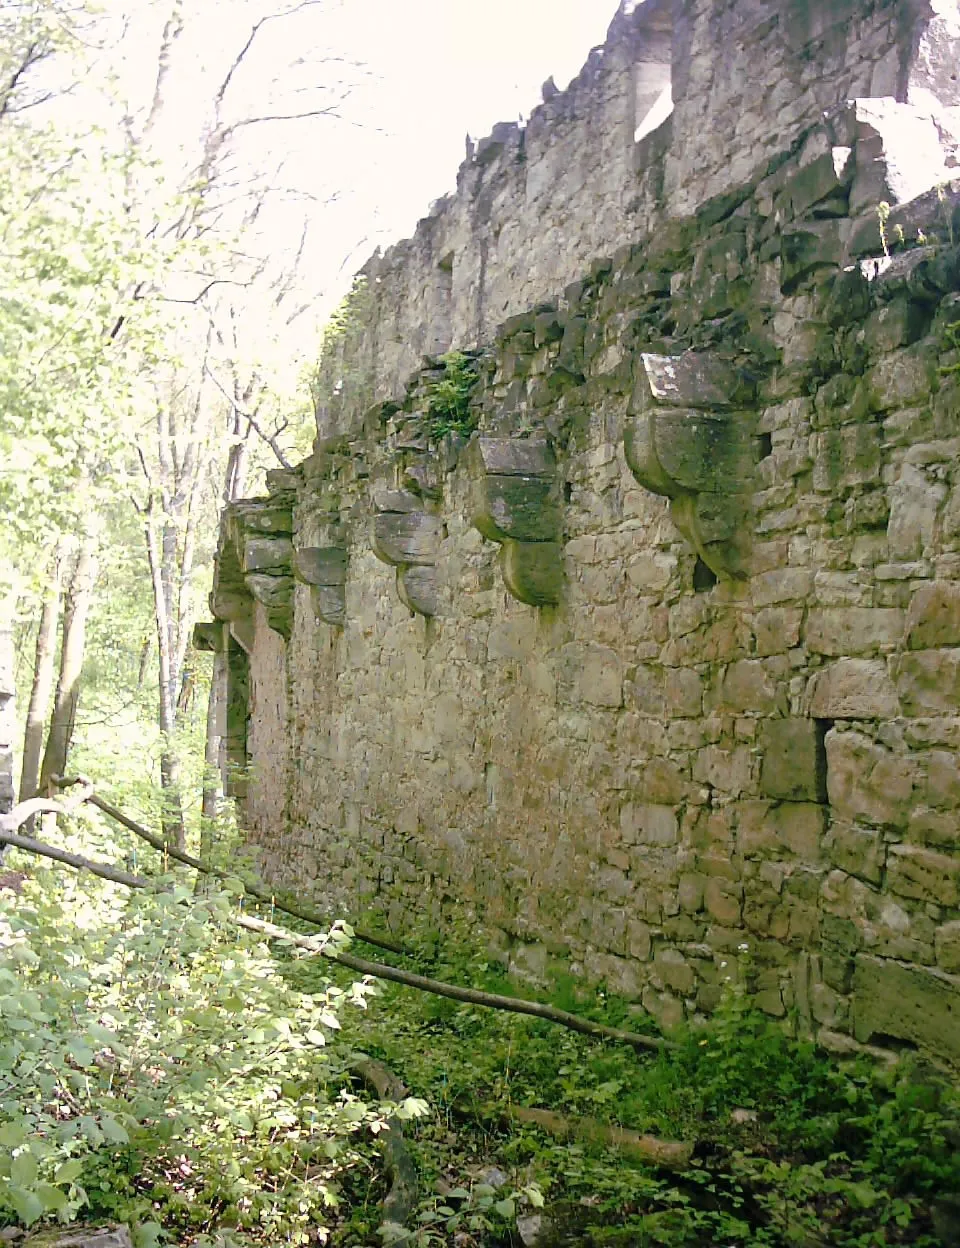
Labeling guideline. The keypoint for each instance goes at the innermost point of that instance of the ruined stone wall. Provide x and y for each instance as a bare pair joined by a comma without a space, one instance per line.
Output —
663,659
535,204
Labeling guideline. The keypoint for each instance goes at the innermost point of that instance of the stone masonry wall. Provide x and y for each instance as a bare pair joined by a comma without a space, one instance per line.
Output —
663,659
535,204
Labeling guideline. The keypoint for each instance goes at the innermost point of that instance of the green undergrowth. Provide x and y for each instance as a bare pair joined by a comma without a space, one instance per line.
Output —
161,1067
792,1148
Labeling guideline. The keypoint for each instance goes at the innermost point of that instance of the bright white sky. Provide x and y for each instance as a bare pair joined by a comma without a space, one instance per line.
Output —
423,74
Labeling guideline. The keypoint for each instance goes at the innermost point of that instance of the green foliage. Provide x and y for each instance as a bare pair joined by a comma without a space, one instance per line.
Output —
791,1147
154,1067
448,397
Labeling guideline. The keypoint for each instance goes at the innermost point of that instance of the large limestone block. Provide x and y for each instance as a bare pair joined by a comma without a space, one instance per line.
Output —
910,1003
929,682
321,565
418,589
853,689
923,874
694,379
533,571
868,782
523,509
933,618
792,764
899,153
511,457
401,538
267,554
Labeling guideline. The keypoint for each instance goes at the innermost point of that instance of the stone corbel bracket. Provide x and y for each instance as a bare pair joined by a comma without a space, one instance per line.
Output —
513,501
689,437
254,562
407,537
324,569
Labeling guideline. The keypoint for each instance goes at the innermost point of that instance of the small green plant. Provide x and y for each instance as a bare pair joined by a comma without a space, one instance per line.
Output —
448,397
883,216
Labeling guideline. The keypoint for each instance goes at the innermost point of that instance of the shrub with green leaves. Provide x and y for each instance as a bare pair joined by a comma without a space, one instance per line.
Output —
154,1067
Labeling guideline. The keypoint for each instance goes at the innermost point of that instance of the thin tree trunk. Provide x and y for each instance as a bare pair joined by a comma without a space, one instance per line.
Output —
7,698
174,830
79,598
43,676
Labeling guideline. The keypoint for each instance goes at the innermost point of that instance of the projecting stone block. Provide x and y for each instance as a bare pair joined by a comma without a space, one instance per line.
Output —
910,1003
401,538
264,517
229,603
512,457
694,379
330,603
533,571
519,508
208,636
792,766
321,565
684,440
267,554
276,595
417,587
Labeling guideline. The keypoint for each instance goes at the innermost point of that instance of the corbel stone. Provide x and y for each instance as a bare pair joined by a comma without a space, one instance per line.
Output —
208,636
688,437
513,501
324,569
407,537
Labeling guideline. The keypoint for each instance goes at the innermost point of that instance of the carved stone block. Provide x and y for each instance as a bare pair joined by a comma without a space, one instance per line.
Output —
533,571
689,439
208,636
519,508
321,565
276,595
411,537
267,554
417,587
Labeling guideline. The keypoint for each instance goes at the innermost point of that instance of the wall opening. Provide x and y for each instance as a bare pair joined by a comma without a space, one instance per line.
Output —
704,577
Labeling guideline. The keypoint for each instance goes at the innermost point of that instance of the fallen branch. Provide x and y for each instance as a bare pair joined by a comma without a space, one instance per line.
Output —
671,1154
401,1200
472,996
378,970
279,900
25,811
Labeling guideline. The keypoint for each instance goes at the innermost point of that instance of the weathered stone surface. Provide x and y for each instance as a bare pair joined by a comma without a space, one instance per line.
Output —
511,457
83,1237
914,871
933,618
401,538
533,571
853,689
693,379
516,507
948,947
867,781
417,587
910,1003
267,554
928,682
661,765
208,635
321,565
793,765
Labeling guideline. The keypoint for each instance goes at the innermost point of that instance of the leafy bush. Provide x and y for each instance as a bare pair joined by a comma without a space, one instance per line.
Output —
154,1067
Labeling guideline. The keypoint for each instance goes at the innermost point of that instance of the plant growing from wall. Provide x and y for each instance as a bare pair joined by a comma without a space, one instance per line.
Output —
448,397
